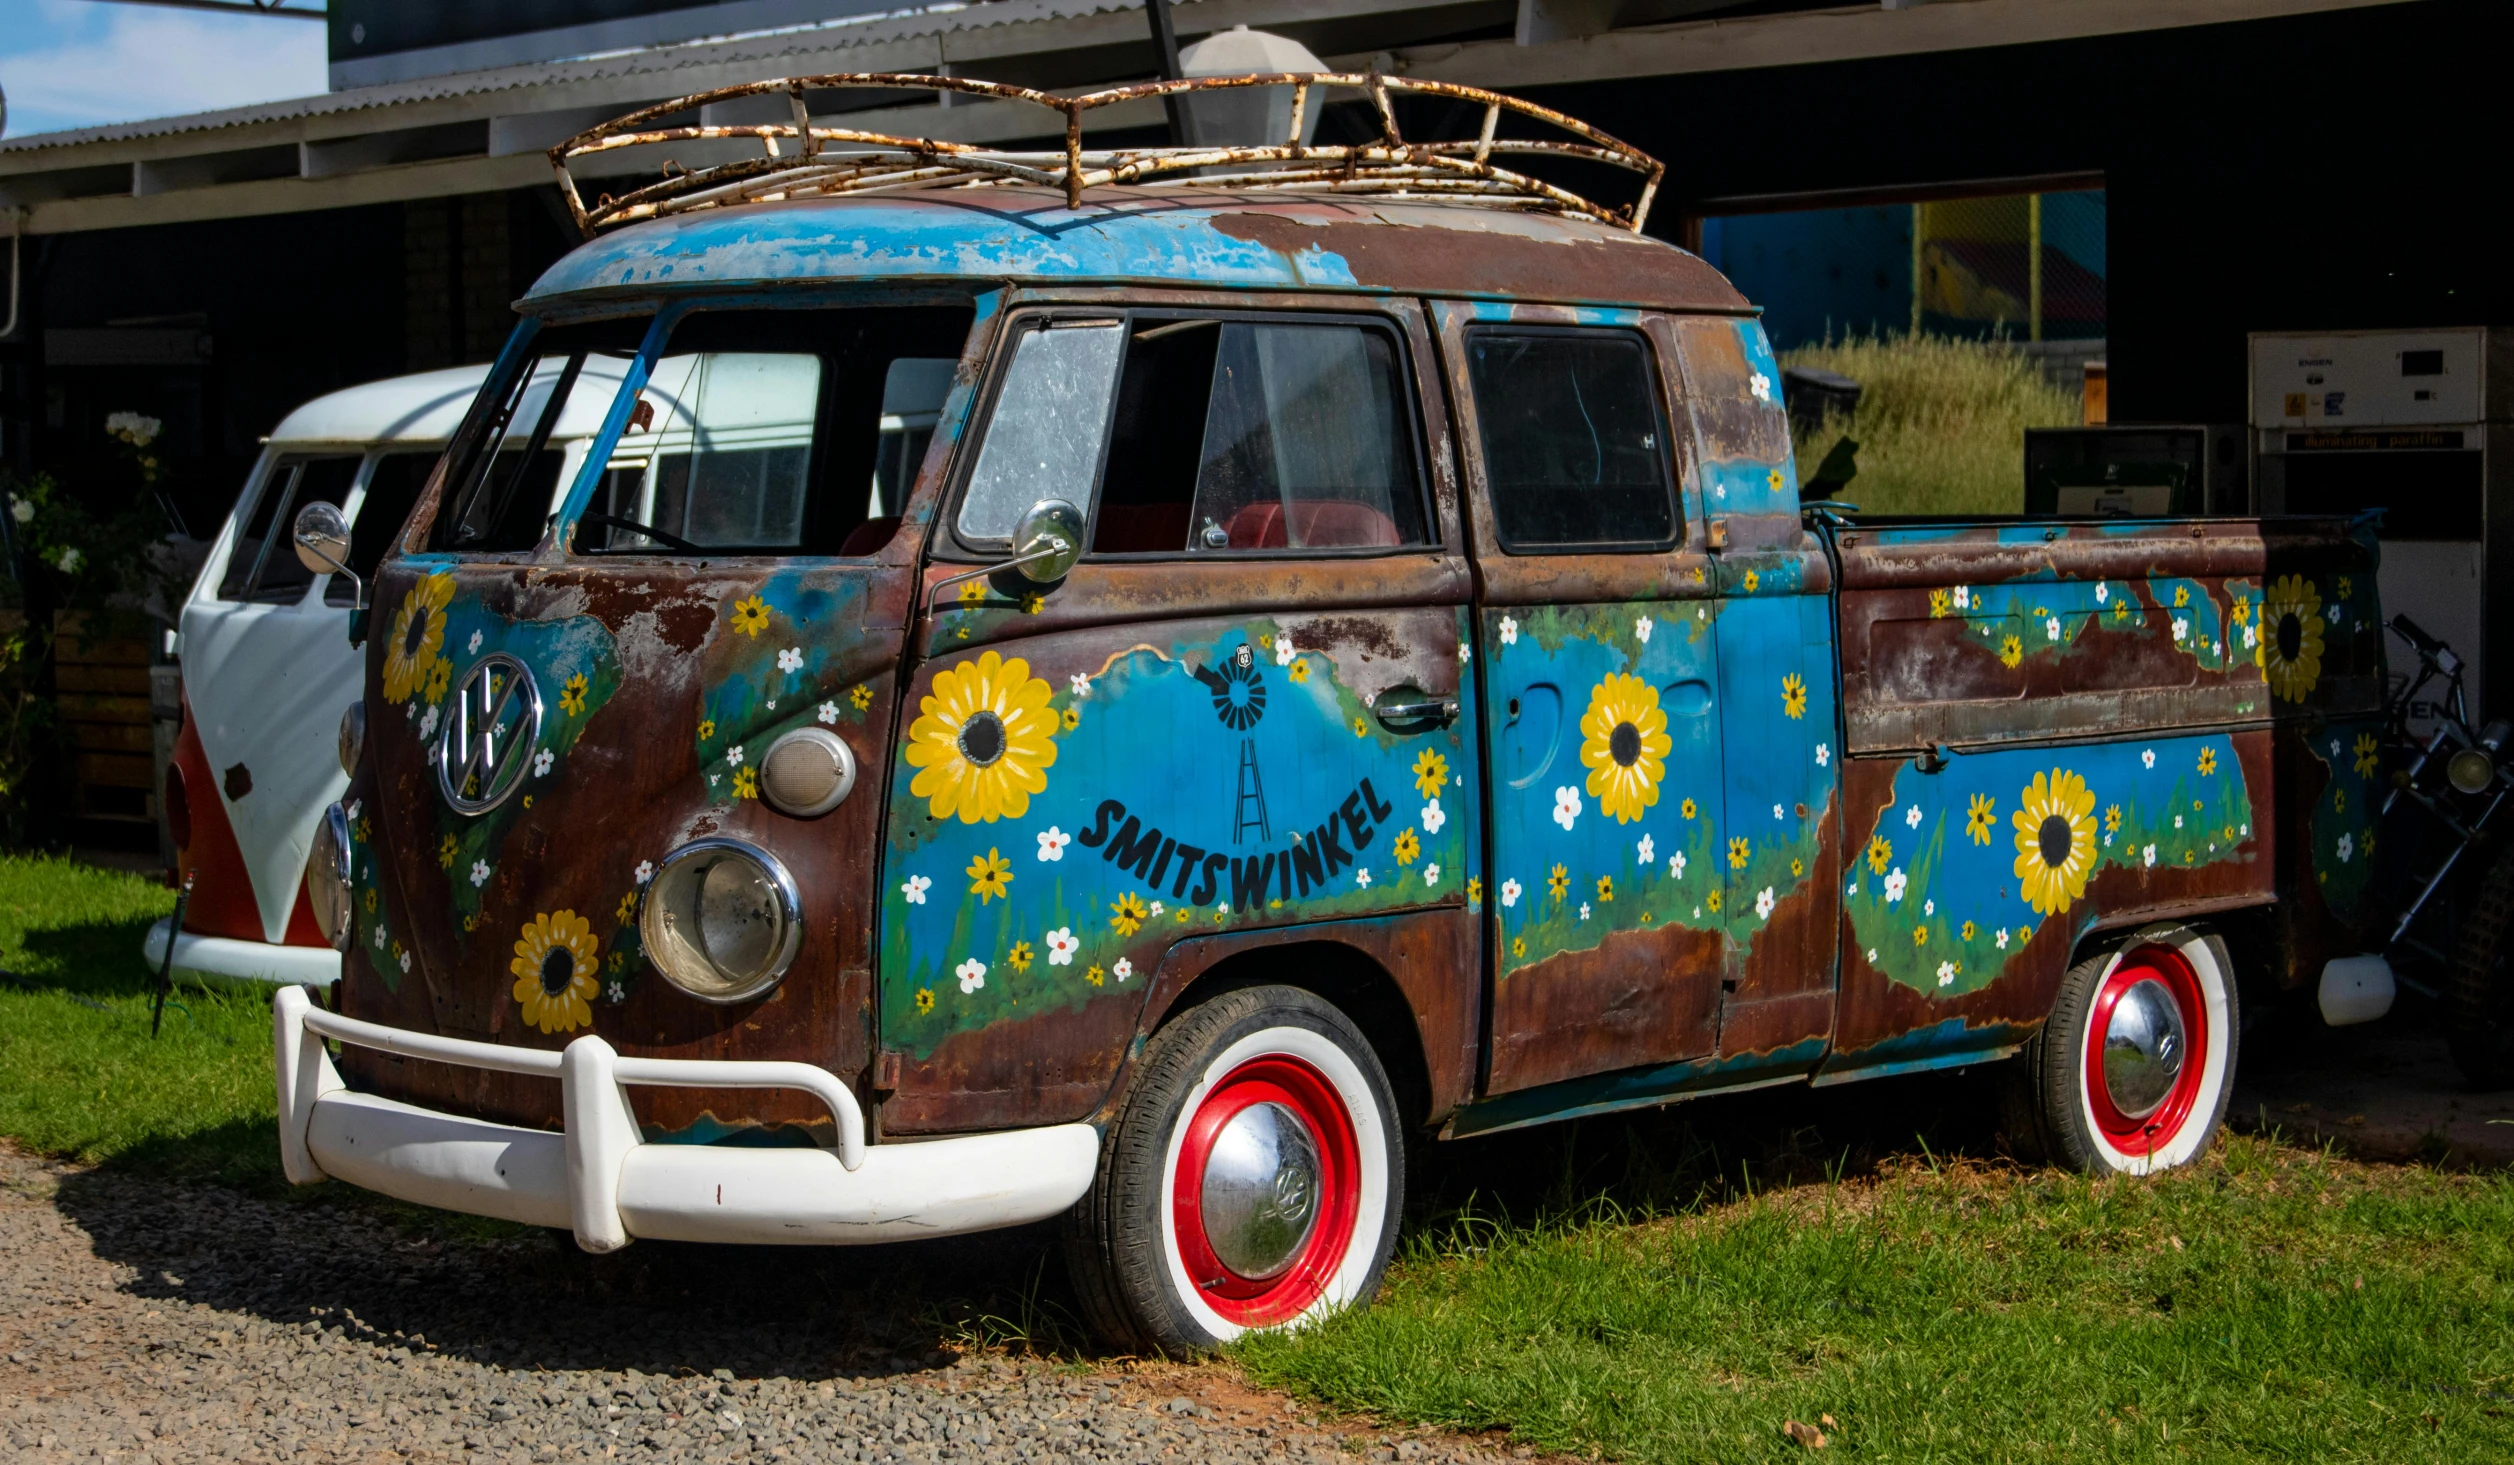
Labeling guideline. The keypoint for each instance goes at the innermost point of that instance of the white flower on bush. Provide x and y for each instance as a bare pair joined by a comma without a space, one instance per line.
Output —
1052,842
22,510
733,755
914,888
1509,894
1509,631
1156,910
1676,864
1566,806
2147,854
1434,816
1649,851
69,560
2051,628
1284,651
1061,946
1361,877
2182,627
1584,910
1121,969
972,974
2001,936
1946,974
1929,907
133,428
479,873
1431,875
1641,629
1895,884
1763,903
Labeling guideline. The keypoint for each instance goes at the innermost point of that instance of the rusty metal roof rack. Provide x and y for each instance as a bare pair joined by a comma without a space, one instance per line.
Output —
804,159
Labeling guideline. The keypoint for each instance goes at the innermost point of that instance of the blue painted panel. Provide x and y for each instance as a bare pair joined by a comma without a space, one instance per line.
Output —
1776,676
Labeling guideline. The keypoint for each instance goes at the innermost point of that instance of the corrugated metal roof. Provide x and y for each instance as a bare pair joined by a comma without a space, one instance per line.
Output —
773,54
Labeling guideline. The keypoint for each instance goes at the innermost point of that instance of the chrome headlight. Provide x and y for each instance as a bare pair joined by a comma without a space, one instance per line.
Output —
327,879
806,773
353,736
722,921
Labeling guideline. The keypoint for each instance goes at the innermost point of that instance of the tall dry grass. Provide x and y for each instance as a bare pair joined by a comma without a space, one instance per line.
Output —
1941,426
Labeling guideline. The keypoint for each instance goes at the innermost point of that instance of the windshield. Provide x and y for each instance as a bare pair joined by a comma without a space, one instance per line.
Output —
504,482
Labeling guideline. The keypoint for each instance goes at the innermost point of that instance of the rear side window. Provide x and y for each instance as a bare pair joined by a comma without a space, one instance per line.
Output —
1575,445
264,566
1207,436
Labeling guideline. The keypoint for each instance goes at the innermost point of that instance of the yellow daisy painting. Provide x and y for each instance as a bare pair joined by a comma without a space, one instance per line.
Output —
1624,743
983,742
2055,840
555,969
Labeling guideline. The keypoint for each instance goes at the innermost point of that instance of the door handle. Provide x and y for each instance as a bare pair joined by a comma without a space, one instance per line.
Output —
1441,711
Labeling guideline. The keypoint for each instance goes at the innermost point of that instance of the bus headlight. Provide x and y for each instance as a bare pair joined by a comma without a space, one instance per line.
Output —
722,921
806,773
327,879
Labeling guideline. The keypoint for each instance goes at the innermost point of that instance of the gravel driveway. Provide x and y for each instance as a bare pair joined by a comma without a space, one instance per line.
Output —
192,1323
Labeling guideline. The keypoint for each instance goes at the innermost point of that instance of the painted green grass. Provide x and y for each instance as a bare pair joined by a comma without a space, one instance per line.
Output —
2273,1303
80,1077
1941,426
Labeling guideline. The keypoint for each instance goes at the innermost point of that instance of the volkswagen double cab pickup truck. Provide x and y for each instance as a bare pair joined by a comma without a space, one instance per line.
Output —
1349,670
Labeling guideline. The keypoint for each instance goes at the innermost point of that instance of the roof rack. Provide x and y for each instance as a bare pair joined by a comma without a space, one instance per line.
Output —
801,159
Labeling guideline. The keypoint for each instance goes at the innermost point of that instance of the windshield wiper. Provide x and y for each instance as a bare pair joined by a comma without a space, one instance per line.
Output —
668,541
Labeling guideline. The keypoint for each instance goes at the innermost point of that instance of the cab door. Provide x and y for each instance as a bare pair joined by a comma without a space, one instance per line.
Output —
1602,693
1239,727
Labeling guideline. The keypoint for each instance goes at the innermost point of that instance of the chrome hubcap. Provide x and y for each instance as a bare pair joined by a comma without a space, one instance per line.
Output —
1261,1191
2143,1048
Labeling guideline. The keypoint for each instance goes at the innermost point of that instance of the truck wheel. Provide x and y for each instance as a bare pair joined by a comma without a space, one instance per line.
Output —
1252,1180
2132,1072
2479,991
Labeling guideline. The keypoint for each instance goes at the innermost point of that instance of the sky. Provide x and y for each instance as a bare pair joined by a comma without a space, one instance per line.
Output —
80,63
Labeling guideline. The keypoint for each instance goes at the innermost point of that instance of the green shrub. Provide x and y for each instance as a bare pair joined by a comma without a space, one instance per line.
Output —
1941,425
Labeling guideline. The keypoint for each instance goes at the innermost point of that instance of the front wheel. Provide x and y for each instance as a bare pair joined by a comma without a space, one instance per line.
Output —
1253,1178
2132,1072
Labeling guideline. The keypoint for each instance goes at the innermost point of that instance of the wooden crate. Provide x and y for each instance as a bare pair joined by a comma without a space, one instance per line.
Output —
102,683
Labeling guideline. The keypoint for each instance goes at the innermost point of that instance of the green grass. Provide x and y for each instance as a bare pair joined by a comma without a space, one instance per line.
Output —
2272,1303
80,1077
1941,426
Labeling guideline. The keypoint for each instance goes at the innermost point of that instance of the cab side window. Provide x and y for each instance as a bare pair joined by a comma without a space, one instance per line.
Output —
1207,436
263,566
393,486
1575,444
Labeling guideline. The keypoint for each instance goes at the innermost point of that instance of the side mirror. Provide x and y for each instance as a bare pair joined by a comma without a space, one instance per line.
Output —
1047,541
322,534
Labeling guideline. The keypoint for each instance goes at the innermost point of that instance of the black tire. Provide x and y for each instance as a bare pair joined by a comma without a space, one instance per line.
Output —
2056,1104
2479,990
1131,1265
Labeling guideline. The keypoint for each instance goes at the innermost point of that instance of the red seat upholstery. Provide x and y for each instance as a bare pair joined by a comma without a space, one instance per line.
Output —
1320,523
1140,529
870,535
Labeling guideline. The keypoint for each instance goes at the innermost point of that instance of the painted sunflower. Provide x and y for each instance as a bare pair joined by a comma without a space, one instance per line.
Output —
1430,771
418,637
1794,695
2011,651
984,740
750,616
1978,817
556,971
989,875
1127,914
2369,754
2291,649
1880,853
1407,847
2055,840
1558,882
1625,744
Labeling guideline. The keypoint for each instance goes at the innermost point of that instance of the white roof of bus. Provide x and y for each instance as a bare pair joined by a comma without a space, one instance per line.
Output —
426,407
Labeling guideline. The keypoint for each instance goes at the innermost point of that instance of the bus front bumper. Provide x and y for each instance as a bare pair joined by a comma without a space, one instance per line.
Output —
599,1178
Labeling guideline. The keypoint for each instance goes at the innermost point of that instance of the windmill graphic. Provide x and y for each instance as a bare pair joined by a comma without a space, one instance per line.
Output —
1239,700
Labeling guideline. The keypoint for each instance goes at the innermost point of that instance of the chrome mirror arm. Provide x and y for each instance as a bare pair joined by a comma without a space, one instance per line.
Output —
313,545
1016,562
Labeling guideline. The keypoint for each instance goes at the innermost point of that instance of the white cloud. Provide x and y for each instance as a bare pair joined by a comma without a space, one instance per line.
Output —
75,63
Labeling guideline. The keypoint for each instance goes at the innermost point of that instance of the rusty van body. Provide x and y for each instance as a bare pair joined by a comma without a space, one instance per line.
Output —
1443,719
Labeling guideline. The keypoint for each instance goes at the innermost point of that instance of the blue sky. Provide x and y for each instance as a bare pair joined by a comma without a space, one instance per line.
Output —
78,63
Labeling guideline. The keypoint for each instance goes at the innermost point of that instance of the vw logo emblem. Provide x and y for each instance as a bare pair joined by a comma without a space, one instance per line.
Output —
490,729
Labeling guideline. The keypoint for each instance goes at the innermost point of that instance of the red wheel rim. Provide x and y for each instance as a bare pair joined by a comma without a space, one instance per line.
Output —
1304,1091
2143,1136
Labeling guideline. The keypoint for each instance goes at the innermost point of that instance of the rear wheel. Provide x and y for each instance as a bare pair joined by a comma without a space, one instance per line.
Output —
1252,1180
2479,991
2132,1073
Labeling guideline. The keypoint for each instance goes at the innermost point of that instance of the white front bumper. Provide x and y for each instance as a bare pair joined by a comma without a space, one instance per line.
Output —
599,1179
251,961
